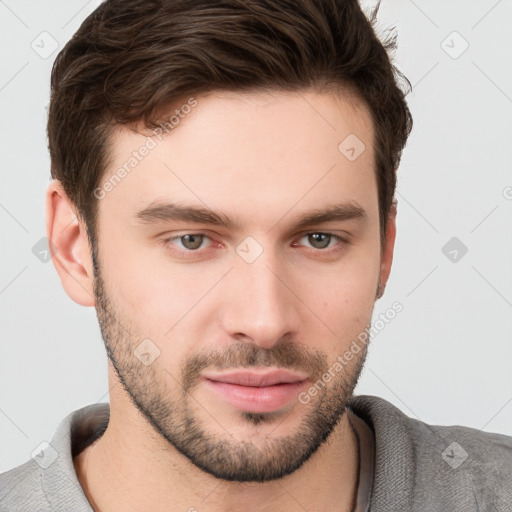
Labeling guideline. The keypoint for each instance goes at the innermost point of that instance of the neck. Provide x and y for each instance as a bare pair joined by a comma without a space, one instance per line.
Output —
131,467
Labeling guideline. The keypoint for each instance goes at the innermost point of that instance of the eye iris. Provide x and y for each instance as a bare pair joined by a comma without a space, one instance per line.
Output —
192,241
317,240
315,237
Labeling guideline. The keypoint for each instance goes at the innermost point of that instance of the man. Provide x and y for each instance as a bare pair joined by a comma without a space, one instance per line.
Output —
223,195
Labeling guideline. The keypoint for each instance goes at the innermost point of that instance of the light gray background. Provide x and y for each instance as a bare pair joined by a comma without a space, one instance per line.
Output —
445,359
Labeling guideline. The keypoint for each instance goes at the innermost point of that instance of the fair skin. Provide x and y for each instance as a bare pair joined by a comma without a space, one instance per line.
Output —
263,161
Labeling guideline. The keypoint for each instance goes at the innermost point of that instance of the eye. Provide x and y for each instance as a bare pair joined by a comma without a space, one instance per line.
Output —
323,241
189,242
193,242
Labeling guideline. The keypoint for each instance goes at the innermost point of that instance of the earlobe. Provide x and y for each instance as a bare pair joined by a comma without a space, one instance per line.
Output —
69,246
387,250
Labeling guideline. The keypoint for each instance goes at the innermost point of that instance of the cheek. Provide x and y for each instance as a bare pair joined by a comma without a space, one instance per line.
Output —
347,307
159,299
134,283
344,298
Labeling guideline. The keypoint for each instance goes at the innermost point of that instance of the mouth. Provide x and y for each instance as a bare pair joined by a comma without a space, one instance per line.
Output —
257,391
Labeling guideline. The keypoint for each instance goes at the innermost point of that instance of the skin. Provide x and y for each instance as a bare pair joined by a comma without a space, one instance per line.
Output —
264,160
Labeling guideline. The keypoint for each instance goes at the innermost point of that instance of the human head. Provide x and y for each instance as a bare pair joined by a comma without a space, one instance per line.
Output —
255,317
131,59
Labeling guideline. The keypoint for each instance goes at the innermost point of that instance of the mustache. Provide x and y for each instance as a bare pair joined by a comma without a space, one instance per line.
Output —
287,355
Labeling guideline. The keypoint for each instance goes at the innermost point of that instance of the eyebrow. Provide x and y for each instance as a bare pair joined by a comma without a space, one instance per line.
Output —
156,212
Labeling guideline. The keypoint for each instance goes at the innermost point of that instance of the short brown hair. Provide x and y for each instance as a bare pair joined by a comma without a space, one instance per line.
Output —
131,58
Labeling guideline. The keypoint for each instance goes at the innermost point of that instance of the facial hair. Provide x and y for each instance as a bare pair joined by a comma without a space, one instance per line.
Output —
168,404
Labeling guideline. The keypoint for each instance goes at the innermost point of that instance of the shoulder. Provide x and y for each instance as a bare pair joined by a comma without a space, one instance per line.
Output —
388,420
472,465
48,481
462,467
21,489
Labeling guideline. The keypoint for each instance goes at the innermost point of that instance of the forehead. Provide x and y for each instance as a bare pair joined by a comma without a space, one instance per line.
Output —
260,154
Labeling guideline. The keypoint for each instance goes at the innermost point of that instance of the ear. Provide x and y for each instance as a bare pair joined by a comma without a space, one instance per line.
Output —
69,246
387,250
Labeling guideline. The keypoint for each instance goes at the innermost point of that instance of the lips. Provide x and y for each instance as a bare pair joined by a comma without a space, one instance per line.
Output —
258,379
257,391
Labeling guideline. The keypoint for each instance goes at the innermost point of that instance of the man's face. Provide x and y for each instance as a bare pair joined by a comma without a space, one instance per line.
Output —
184,303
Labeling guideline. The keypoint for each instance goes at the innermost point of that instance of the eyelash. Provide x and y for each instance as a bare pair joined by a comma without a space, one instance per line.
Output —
327,250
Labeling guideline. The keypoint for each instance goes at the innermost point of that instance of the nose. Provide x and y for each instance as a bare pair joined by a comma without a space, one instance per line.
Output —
259,304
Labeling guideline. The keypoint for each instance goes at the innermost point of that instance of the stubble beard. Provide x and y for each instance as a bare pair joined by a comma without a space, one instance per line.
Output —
167,402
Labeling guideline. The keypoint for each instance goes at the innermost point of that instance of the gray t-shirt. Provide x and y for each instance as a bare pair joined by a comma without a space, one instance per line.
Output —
416,466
